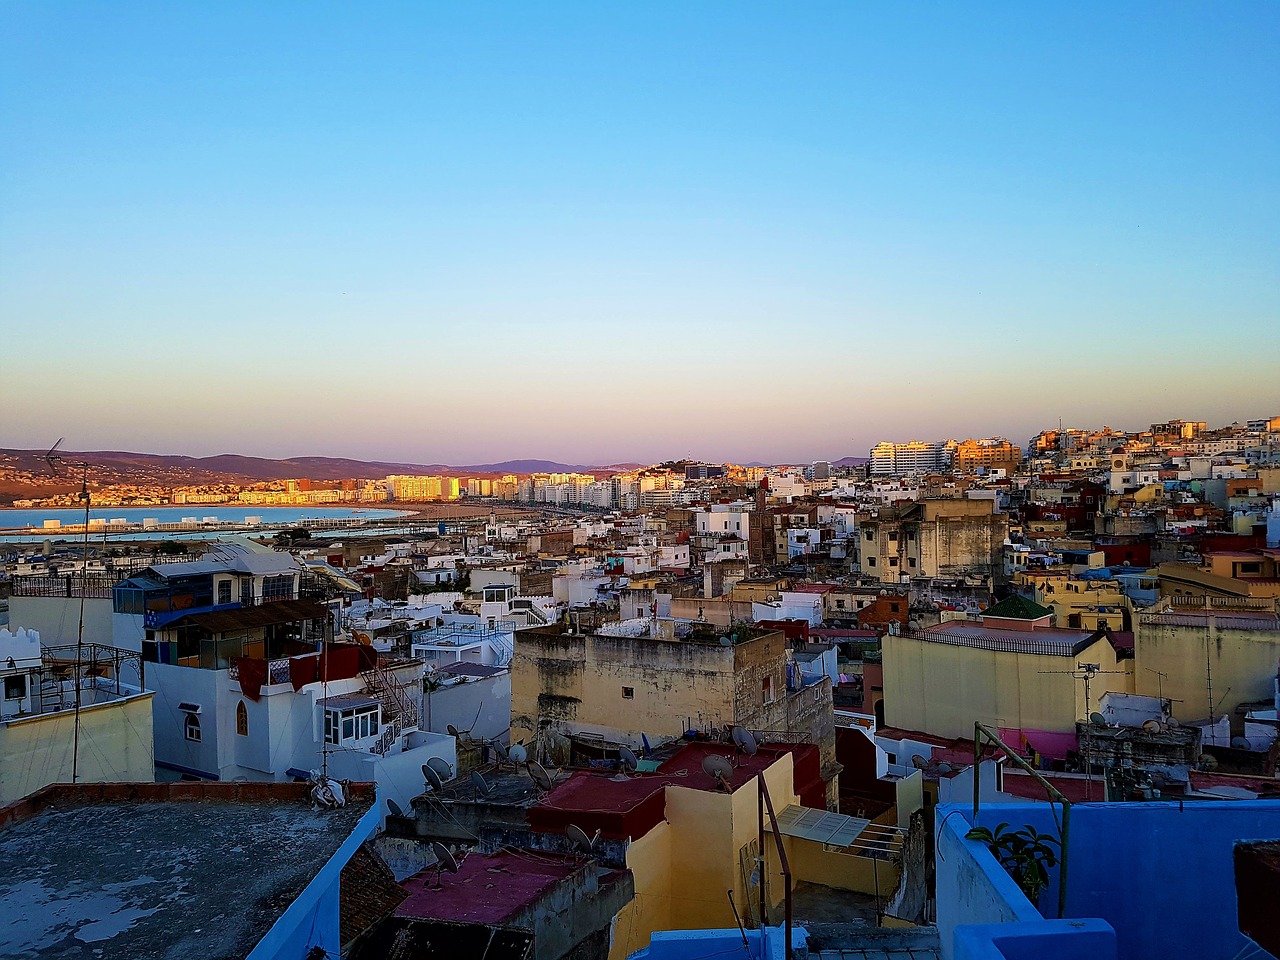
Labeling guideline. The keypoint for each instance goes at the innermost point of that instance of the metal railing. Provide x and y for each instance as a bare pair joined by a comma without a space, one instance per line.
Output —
983,732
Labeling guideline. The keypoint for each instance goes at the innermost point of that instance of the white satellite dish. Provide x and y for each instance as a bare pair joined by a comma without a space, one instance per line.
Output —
1152,726
580,839
719,769
479,784
918,761
518,753
441,766
745,741
500,751
1097,719
452,730
629,760
538,773
433,779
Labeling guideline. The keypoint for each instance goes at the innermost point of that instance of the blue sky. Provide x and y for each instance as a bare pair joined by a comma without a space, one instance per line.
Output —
596,233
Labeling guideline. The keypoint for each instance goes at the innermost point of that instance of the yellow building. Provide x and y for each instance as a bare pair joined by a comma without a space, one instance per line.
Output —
39,744
693,841
1086,604
1211,660
1227,575
1009,670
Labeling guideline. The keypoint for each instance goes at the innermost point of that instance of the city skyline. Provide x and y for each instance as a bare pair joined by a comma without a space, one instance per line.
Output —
463,235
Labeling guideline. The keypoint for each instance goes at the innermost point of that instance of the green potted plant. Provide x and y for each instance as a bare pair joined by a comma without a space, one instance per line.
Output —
1025,854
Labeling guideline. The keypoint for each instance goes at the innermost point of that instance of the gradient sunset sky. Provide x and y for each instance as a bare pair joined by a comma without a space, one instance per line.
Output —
602,232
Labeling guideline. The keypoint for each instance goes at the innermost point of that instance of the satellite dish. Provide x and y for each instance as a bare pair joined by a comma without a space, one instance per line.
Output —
629,761
918,761
1172,723
500,750
1152,726
944,767
1097,719
718,768
441,766
540,777
1207,761
394,808
479,784
444,860
745,741
578,837
1241,743
452,730
518,753
432,778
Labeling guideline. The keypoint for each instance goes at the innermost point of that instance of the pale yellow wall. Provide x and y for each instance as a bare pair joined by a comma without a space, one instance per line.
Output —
814,863
115,745
943,689
1242,664
649,860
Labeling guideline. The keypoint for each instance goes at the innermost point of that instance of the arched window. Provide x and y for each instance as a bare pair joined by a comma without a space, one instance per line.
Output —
191,727
242,719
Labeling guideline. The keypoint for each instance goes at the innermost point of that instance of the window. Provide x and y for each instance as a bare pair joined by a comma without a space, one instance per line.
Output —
839,604
766,689
893,608
191,728
628,693
15,688
893,536
870,535
354,723
893,561
242,719
224,591
911,561
871,561
277,588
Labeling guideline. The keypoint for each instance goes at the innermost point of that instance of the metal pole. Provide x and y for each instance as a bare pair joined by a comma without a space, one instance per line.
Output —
760,853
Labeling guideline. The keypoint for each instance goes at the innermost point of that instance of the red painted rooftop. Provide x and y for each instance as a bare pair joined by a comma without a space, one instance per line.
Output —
631,807
488,888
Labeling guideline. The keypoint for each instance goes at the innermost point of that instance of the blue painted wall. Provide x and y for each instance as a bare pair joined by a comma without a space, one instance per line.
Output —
1160,874
312,919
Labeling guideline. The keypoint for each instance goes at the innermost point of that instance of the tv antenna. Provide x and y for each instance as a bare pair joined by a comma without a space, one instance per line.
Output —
55,461
445,860
1087,672
517,753
479,786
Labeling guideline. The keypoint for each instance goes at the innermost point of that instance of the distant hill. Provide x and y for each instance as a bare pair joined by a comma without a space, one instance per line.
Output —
850,462
24,474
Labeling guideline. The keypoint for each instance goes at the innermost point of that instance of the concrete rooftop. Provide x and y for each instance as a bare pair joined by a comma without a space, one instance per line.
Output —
97,872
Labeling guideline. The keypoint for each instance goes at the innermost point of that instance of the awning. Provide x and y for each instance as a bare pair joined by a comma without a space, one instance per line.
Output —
861,837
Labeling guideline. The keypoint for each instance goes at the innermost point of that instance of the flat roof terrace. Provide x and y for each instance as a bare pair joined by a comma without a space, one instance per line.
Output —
148,871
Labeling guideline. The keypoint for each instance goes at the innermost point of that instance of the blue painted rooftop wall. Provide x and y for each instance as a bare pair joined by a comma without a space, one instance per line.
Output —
1160,874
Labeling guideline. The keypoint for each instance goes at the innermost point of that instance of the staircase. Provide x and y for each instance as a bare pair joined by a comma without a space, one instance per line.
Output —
399,710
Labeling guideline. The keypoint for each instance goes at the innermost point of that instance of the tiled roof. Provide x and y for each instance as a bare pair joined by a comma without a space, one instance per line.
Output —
369,892
1016,607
